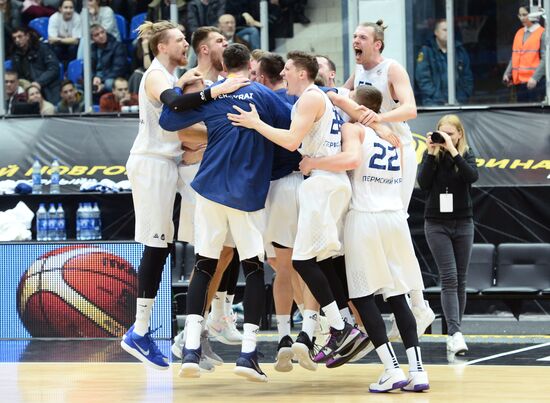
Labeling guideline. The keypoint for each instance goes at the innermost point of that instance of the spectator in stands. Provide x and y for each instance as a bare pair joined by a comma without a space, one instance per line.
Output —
72,101
431,69
35,9
327,70
527,66
140,62
121,96
109,59
226,24
35,61
202,13
298,10
160,10
12,19
13,92
104,16
247,16
64,32
129,8
446,173
255,57
34,95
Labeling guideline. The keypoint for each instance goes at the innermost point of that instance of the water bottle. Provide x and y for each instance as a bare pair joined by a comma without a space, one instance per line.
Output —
85,221
96,215
61,231
42,223
52,223
79,222
54,184
36,177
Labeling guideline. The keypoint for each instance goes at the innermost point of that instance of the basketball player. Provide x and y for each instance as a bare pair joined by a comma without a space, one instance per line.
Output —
231,185
398,106
380,257
152,171
323,201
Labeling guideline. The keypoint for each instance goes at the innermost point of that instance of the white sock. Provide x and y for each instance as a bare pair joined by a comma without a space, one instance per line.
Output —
144,308
346,315
301,308
417,298
310,322
228,305
193,327
217,306
283,325
333,316
250,333
387,356
415,359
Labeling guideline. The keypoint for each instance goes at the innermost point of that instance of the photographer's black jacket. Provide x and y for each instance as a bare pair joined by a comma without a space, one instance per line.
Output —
439,176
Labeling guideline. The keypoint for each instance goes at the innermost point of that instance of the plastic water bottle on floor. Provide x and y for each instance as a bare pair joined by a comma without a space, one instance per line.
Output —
55,176
61,228
41,223
96,215
52,223
36,177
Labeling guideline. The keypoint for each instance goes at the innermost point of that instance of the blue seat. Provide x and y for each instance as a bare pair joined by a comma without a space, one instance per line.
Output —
40,25
136,21
8,64
75,70
122,27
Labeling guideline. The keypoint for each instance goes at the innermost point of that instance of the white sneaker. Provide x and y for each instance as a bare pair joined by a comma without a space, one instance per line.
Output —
224,329
390,379
322,331
456,344
417,382
424,317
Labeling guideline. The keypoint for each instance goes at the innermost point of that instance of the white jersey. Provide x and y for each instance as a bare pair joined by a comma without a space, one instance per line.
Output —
151,138
378,78
324,138
376,184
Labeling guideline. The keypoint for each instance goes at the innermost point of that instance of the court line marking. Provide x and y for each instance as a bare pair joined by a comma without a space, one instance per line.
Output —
521,350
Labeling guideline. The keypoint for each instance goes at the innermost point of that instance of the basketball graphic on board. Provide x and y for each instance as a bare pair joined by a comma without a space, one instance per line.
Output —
78,291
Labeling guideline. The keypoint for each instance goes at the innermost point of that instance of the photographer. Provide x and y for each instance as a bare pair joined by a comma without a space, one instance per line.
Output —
447,172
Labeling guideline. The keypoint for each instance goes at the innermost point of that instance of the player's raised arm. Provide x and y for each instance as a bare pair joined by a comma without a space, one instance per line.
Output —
399,81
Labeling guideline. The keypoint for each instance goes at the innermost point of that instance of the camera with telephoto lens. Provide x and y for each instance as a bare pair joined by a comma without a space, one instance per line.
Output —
437,138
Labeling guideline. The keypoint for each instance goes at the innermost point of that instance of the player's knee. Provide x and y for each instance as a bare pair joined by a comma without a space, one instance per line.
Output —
252,267
205,265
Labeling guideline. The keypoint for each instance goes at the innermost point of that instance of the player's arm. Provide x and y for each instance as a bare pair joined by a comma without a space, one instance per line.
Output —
349,84
307,110
351,156
174,121
399,81
195,134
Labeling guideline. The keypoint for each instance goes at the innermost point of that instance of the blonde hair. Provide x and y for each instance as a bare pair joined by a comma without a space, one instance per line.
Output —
454,120
159,32
378,27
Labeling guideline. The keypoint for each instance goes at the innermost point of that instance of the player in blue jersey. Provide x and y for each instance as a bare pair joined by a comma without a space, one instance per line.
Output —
231,185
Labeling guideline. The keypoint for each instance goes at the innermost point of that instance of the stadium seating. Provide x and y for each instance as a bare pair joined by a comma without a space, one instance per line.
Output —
40,25
122,27
8,64
136,21
75,70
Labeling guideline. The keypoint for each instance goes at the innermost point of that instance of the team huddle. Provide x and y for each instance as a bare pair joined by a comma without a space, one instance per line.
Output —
270,165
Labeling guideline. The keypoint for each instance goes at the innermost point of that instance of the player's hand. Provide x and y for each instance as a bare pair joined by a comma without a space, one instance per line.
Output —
391,138
189,78
306,165
432,147
368,116
230,85
244,118
532,83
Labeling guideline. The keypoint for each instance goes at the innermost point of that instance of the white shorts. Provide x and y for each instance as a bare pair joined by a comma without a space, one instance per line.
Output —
282,212
186,229
380,256
324,199
214,221
410,166
154,182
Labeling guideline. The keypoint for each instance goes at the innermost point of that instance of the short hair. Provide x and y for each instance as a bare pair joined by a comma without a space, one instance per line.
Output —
369,96
320,81
378,27
257,54
271,65
93,27
66,82
330,62
305,61
437,22
159,32
11,73
236,56
201,35
60,3
119,79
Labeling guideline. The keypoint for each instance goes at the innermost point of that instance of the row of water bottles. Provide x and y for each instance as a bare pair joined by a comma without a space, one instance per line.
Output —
55,177
50,223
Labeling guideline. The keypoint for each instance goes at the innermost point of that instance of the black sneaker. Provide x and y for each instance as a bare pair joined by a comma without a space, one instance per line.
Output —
340,342
283,362
190,365
359,345
303,349
247,366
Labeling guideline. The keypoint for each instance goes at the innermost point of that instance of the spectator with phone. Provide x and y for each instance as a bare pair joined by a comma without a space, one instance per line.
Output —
446,173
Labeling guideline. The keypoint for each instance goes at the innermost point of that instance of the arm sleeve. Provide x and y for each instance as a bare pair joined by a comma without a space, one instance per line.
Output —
51,73
173,121
53,26
178,102
426,171
468,78
120,62
467,167
541,68
423,75
77,28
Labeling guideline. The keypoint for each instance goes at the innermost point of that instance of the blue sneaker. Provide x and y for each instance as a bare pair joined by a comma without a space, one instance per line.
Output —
144,349
190,366
247,366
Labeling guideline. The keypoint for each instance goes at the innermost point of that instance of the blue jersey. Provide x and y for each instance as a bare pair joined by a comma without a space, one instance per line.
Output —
284,161
236,167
